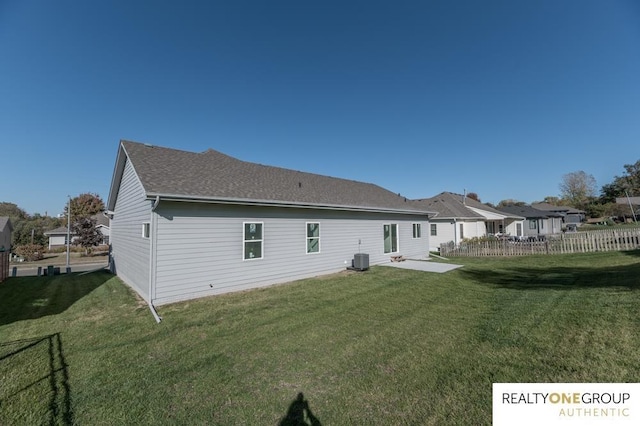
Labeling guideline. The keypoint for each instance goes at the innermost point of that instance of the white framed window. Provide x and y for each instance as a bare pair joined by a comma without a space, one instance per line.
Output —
313,237
390,232
434,230
417,230
146,229
532,224
252,240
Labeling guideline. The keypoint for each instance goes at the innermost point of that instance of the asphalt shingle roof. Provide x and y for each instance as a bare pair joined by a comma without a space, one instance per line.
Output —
212,175
528,212
552,208
451,205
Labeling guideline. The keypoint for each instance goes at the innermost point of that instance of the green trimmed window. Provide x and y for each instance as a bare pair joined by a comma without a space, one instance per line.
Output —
313,237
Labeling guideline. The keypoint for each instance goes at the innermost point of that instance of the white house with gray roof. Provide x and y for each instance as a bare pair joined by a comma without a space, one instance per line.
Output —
459,217
186,225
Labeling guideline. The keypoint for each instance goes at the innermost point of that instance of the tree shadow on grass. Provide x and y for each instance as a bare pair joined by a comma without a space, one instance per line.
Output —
40,373
559,278
26,298
633,253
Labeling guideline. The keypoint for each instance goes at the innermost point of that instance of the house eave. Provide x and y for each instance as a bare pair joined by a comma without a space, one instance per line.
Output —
285,204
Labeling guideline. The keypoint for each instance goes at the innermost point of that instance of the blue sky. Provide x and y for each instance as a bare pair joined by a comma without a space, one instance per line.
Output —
501,98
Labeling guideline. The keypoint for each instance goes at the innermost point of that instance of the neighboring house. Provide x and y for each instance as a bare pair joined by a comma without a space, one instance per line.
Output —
58,236
186,225
5,233
538,222
102,225
569,214
459,217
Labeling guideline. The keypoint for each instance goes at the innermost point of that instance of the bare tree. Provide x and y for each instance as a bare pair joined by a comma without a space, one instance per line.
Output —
578,189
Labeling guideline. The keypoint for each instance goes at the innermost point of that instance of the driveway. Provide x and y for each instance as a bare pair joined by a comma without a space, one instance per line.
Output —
423,265
32,271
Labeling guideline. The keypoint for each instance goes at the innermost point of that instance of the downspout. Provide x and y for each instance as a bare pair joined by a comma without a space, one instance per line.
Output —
152,247
455,231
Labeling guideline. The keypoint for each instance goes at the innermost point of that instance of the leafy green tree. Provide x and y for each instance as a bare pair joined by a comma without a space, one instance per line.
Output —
27,229
628,183
12,211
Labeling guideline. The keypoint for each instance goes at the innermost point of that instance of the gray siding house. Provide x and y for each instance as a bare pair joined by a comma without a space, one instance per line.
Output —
537,222
569,214
187,225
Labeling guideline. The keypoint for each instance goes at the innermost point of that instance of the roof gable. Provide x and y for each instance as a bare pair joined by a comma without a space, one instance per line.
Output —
214,176
448,205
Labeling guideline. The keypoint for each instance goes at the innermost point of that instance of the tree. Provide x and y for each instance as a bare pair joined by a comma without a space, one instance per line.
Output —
474,196
511,202
578,189
85,205
628,183
12,211
27,229
554,201
87,235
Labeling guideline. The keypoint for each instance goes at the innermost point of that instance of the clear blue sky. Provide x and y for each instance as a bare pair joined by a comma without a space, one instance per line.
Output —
501,98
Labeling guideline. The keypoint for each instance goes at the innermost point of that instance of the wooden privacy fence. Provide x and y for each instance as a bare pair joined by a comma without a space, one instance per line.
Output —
4,265
579,242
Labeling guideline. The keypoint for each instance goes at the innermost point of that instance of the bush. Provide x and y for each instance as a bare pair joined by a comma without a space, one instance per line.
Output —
30,252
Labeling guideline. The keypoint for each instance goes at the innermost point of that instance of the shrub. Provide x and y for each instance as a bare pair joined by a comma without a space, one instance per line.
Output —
30,252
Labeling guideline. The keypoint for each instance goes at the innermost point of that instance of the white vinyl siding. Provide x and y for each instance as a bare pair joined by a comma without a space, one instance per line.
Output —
130,252
200,247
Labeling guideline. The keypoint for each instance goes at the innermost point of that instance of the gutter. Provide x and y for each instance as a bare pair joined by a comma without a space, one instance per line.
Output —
271,203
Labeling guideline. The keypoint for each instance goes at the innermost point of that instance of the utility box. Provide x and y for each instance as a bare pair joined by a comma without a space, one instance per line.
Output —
361,261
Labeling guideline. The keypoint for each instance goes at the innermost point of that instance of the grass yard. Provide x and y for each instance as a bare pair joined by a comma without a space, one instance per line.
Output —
387,346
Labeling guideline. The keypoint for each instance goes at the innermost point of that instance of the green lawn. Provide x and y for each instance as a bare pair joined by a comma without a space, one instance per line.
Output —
387,346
